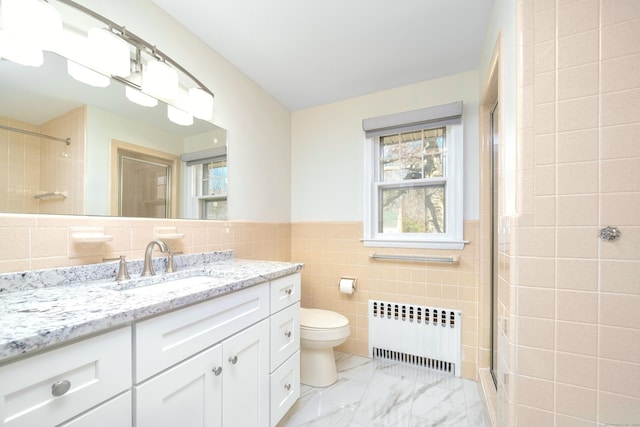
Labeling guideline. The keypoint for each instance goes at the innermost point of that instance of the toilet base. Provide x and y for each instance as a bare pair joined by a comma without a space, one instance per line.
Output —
317,367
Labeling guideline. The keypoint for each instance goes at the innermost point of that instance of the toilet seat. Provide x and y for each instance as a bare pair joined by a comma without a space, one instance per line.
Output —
317,319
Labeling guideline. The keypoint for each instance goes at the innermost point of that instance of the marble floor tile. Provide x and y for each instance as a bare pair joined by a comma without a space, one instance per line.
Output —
378,392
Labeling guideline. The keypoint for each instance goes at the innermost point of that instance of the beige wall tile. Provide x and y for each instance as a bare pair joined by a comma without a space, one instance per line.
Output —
577,242
619,377
577,370
47,242
544,180
616,11
536,332
545,25
567,421
577,338
620,276
545,56
545,149
536,302
627,248
578,146
533,417
536,241
619,142
616,409
620,108
620,344
578,178
620,39
619,74
539,272
578,114
576,401
578,17
577,274
577,306
533,362
544,119
620,175
578,210
620,209
578,82
578,49
535,392
545,88
544,211
619,310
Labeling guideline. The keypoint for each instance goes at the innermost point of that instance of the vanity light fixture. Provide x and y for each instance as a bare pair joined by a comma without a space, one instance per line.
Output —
28,27
140,98
109,52
200,103
87,76
160,80
178,116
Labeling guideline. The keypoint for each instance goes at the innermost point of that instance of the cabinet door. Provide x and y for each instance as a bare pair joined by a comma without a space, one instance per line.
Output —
245,401
187,395
116,412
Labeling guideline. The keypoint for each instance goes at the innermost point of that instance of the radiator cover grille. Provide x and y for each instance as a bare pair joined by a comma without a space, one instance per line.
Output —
419,335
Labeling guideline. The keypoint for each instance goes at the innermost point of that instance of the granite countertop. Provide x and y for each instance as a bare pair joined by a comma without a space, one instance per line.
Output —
43,308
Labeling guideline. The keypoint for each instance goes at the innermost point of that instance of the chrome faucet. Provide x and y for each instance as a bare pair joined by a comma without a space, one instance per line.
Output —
148,265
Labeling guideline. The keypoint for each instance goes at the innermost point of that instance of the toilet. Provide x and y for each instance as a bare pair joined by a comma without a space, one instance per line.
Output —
320,331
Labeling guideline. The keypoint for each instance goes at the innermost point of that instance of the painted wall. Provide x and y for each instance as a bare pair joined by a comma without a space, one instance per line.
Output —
327,152
259,127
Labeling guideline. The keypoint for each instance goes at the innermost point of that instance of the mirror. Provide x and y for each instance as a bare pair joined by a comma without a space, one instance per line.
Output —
47,176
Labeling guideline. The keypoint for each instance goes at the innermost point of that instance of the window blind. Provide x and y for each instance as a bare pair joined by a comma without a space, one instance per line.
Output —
407,121
209,155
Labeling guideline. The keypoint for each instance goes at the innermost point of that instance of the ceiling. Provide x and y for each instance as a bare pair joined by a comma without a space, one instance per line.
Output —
308,53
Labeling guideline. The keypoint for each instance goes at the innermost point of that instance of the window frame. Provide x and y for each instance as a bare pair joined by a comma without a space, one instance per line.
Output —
453,237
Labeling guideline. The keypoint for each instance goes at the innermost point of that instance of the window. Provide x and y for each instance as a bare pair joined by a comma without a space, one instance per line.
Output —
414,178
207,176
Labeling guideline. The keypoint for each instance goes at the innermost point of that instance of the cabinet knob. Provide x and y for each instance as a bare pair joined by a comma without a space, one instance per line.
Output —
61,387
233,360
288,291
287,334
287,387
217,370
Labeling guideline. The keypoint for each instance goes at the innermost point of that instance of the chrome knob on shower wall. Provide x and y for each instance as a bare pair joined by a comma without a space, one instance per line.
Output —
609,234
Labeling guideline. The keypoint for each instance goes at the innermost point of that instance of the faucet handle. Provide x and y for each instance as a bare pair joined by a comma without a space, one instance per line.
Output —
123,274
170,267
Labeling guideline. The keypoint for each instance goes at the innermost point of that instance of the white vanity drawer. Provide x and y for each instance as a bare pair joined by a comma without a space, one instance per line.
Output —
95,369
285,334
165,340
116,412
285,291
285,387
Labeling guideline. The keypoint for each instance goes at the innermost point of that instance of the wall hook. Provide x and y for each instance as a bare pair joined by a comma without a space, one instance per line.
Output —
609,234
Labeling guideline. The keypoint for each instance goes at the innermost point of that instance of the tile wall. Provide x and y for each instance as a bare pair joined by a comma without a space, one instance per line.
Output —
571,350
331,250
32,165
43,241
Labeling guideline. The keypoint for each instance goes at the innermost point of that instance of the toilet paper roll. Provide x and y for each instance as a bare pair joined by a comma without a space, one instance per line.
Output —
347,285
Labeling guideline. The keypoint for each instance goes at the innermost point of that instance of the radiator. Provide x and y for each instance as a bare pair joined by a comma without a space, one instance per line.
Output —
419,335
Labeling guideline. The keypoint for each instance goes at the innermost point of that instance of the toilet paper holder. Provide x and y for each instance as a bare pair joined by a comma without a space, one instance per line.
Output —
347,282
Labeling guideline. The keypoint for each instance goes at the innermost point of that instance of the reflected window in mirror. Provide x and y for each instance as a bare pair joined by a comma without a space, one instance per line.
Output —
211,182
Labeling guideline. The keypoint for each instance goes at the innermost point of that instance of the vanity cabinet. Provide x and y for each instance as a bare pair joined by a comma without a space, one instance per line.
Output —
53,387
220,349
233,360
226,385
284,334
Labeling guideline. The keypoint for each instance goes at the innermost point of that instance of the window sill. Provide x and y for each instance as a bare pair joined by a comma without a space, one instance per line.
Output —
416,244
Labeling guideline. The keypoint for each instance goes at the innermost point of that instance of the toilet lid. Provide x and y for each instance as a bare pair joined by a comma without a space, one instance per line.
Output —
321,319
